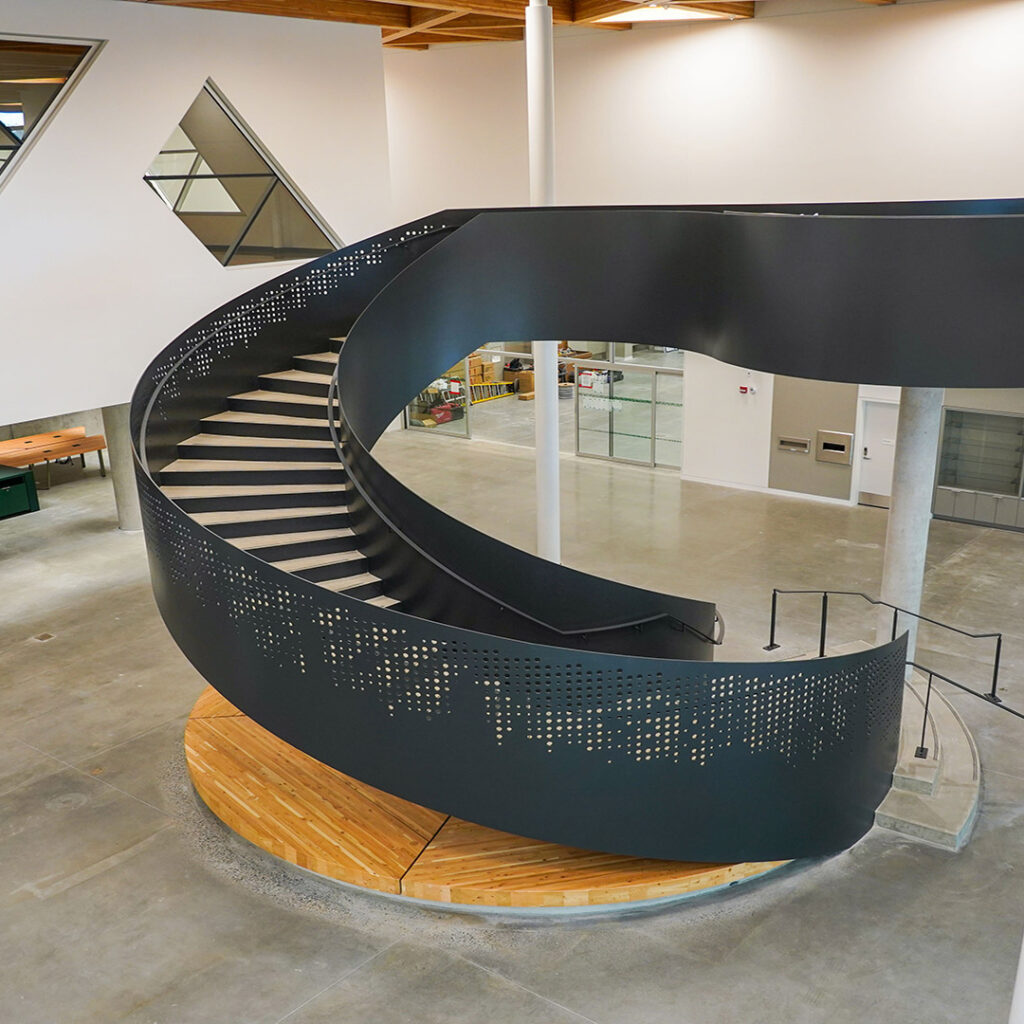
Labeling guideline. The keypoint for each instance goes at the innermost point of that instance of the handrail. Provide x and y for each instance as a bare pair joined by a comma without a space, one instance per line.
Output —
333,400
991,696
235,315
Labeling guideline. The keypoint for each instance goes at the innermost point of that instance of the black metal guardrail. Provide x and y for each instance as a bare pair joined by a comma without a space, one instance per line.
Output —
504,605
991,695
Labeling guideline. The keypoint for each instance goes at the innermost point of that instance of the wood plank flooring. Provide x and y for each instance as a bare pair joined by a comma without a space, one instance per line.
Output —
311,815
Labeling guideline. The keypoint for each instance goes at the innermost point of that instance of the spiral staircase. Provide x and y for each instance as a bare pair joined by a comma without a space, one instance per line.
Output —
377,637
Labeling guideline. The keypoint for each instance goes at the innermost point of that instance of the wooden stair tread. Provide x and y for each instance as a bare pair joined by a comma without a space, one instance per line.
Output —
306,376
269,418
259,515
249,441
255,465
282,396
309,814
383,601
178,491
273,540
348,582
318,561
323,357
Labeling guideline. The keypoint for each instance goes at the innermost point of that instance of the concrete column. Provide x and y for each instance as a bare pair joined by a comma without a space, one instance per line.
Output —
1017,1009
122,468
910,513
540,104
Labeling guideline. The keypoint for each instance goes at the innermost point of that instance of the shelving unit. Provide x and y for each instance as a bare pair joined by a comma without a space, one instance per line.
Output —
981,468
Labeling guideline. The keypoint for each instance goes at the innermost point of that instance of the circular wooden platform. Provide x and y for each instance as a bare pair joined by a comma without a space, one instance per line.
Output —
313,816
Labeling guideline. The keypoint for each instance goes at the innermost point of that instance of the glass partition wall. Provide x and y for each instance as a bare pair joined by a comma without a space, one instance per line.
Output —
615,405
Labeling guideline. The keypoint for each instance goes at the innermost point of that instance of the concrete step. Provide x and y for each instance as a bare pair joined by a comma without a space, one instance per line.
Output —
933,799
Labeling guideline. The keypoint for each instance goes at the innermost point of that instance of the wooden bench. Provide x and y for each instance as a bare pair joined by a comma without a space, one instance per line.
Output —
20,452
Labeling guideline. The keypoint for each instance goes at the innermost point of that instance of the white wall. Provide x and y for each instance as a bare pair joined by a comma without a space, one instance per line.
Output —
98,275
726,434
858,102
853,103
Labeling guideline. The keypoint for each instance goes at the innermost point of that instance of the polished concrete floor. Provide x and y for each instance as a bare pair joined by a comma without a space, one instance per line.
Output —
121,900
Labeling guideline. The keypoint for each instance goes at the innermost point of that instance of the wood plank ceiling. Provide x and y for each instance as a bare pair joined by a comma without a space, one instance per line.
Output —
418,24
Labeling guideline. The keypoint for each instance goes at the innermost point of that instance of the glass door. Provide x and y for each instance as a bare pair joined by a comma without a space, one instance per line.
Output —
614,414
668,419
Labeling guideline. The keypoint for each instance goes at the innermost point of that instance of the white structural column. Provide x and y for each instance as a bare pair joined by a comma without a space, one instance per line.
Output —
913,481
117,431
540,102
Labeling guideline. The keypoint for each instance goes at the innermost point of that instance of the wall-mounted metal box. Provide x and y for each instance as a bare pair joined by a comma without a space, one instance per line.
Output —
834,446
799,445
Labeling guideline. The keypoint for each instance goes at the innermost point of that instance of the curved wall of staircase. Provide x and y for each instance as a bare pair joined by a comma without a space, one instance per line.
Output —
361,625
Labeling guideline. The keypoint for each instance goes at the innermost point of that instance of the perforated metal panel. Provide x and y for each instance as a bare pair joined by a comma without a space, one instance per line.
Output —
638,755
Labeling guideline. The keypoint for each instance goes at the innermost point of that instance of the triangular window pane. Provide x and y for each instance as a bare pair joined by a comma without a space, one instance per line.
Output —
281,230
32,75
214,174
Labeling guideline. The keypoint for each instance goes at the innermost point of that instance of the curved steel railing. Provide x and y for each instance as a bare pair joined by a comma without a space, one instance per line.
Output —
653,756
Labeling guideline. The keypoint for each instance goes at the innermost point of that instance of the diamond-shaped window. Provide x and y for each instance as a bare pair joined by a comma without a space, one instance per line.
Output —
227,190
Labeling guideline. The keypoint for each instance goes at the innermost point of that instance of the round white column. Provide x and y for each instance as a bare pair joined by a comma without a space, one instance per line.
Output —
540,103
910,514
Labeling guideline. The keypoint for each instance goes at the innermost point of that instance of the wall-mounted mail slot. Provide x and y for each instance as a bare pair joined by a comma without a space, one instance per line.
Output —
834,446
800,445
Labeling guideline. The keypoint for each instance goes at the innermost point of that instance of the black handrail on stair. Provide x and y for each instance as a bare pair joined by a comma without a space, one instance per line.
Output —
991,696
333,406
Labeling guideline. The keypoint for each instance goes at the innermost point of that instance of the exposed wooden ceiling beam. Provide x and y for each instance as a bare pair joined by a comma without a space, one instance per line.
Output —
444,34
421,18
423,40
357,12
731,10
340,10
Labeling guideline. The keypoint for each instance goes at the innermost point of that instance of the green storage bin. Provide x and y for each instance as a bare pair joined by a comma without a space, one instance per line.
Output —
17,492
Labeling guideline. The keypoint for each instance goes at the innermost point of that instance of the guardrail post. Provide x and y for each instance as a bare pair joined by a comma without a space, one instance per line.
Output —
993,696
922,750
824,623
772,645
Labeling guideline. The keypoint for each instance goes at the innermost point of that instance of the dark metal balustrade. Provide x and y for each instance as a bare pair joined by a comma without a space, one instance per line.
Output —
520,694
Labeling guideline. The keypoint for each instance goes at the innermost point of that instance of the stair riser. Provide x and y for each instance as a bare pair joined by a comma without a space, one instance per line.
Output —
367,590
330,521
300,409
295,387
303,433
252,477
301,549
240,453
235,503
312,365
336,572
335,345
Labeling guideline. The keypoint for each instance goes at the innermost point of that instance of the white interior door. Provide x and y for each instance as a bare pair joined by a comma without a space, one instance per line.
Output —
878,448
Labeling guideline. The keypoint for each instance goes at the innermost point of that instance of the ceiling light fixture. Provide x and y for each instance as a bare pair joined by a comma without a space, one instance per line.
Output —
660,12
